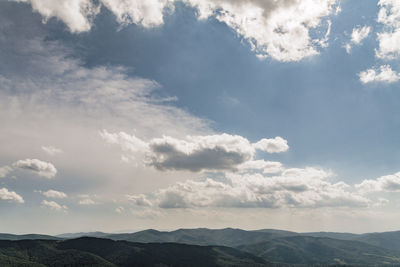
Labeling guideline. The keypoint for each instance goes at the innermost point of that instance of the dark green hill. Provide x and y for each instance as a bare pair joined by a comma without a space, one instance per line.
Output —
89,251
45,253
315,250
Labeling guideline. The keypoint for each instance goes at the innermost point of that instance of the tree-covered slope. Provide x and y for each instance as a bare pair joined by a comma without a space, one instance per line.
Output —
315,250
88,251
45,253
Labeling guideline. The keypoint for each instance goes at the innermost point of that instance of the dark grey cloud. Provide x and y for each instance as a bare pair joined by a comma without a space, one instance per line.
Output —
216,159
218,152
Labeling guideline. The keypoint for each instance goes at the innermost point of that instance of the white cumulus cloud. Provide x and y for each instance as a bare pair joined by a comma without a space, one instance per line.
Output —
388,44
54,205
389,39
147,13
279,29
273,145
385,74
10,196
86,201
387,183
307,187
357,36
76,14
54,194
41,168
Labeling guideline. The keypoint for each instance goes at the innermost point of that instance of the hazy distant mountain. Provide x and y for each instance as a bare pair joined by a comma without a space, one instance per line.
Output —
202,236
82,234
224,237
389,240
28,236
317,250
341,236
205,246
89,251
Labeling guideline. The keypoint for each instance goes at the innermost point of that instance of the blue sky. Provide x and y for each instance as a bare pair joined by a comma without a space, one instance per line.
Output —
177,111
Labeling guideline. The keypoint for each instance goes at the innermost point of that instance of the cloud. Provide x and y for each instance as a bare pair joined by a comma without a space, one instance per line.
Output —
52,98
50,150
53,82
293,188
10,196
54,194
275,145
388,183
146,214
147,13
76,14
139,200
212,152
357,36
219,152
267,167
279,29
389,44
127,142
385,74
86,201
4,171
54,205
41,168
389,39
119,209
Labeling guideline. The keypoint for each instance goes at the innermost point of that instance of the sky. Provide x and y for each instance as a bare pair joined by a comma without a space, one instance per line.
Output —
123,115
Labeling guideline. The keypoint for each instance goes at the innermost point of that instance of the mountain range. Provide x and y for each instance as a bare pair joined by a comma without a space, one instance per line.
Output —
206,247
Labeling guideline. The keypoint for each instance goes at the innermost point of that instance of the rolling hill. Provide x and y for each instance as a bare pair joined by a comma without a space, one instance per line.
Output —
222,237
89,251
388,240
319,250
213,245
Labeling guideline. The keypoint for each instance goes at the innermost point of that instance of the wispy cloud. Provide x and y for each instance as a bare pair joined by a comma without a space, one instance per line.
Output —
50,150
